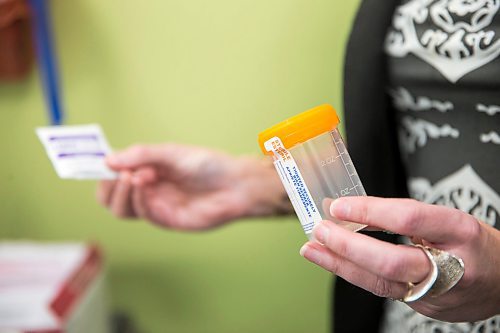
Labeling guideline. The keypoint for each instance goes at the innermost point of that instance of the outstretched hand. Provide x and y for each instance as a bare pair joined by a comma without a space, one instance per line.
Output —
189,188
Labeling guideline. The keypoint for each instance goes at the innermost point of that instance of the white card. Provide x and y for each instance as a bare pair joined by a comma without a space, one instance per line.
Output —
77,152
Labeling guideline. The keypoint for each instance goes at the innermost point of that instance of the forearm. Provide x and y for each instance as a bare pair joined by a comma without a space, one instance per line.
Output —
265,192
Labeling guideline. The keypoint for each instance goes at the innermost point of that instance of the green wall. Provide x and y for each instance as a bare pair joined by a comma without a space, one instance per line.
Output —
200,72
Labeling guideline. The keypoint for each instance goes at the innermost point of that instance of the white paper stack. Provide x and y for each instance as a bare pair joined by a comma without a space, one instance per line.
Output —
52,288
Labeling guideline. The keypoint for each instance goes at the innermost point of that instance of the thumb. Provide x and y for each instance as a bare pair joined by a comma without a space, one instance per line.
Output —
141,155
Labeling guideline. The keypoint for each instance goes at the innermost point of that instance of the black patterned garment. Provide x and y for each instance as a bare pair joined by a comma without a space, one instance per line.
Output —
444,83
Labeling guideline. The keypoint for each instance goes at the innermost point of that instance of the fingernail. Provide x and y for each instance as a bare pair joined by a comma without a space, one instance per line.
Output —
321,232
303,249
326,204
340,209
311,254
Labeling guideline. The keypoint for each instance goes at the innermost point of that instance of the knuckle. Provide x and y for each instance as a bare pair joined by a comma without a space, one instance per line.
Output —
382,287
472,228
363,214
411,219
335,267
340,246
392,269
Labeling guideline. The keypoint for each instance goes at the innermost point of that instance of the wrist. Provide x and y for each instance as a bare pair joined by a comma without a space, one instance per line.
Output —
264,191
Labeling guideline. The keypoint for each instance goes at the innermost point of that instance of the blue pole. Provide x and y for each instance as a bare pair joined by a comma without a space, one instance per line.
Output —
47,60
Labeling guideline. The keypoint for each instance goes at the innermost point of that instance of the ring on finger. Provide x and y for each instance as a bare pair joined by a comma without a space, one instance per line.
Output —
446,271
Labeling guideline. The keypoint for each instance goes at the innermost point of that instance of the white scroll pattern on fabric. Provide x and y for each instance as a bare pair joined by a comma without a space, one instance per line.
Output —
463,190
459,42
490,110
416,133
491,137
402,318
404,101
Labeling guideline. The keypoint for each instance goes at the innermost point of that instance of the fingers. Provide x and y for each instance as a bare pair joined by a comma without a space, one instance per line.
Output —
125,196
353,273
140,155
121,201
393,262
144,176
436,224
139,204
105,191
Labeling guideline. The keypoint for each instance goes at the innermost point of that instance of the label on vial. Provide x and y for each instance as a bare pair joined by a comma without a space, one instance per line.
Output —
294,184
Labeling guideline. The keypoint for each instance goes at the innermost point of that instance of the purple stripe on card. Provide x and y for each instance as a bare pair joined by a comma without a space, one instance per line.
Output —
97,154
74,137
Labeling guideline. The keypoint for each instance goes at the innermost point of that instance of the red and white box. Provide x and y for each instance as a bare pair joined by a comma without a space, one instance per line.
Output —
52,288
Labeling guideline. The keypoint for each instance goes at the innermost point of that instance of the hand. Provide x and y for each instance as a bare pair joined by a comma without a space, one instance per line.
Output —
384,268
190,188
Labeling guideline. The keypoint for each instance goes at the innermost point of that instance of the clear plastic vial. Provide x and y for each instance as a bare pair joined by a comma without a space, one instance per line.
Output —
313,164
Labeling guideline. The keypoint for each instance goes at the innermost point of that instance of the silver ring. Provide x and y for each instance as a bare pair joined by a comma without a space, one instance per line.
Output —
446,270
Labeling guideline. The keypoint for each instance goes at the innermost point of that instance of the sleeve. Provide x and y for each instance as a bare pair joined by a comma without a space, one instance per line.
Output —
372,143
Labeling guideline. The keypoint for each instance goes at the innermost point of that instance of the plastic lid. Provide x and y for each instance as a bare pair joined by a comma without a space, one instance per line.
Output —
301,127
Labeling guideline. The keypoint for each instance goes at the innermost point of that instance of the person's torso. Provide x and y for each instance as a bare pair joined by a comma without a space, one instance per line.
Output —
444,82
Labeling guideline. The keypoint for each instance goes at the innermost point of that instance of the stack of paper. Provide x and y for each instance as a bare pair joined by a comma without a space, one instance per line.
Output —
56,288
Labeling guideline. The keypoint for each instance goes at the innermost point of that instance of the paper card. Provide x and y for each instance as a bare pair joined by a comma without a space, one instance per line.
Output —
77,152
